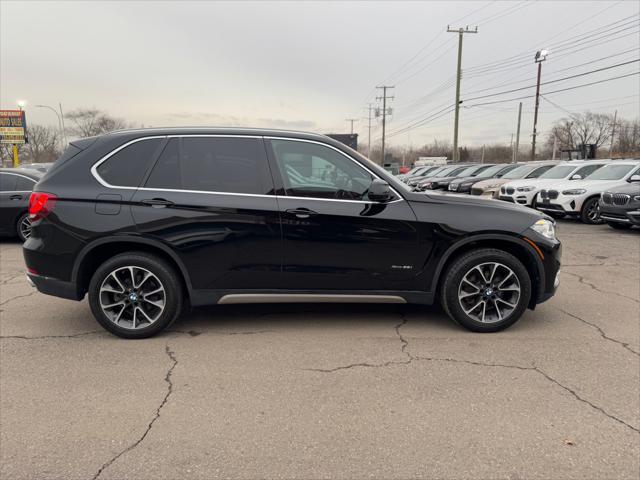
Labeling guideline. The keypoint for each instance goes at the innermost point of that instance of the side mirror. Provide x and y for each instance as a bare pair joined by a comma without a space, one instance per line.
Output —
380,191
634,178
577,176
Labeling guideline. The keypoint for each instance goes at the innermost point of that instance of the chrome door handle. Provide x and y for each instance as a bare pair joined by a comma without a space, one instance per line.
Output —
302,212
157,202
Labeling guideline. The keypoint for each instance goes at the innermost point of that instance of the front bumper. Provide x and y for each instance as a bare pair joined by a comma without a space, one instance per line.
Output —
629,215
521,198
565,204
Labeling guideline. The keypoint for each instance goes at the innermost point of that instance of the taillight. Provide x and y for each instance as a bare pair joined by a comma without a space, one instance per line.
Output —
41,204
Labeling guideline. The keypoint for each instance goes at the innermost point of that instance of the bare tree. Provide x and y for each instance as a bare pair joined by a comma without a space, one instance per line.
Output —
43,143
627,139
87,122
581,129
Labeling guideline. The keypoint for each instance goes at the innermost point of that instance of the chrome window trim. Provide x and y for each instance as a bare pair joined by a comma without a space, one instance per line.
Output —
18,175
94,168
106,184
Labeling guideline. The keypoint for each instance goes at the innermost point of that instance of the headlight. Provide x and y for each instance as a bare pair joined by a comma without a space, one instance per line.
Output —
525,189
575,191
545,228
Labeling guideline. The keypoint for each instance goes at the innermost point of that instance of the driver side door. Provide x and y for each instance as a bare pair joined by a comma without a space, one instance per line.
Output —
334,237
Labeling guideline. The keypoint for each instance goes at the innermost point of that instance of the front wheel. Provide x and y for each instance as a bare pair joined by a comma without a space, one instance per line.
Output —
590,212
135,295
486,290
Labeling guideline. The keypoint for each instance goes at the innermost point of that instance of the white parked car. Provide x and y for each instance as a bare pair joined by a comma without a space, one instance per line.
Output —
580,198
525,191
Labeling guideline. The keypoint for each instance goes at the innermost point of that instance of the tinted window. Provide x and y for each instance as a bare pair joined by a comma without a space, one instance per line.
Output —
7,182
588,170
24,184
126,167
539,171
213,164
312,170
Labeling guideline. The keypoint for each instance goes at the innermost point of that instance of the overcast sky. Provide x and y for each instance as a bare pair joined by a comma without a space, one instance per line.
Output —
311,65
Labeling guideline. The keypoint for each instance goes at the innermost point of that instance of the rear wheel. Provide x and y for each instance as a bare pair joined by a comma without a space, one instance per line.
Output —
23,227
486,290
590,212
619,226
135,295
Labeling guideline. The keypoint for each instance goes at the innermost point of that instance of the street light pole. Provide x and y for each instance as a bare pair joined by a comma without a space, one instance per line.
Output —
541,56
62,133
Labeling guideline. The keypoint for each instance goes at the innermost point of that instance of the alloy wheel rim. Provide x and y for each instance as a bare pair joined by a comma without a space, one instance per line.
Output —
489,292
594,212
132,297
25,227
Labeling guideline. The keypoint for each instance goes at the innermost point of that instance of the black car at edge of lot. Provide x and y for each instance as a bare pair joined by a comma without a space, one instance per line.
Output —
149,221
620,206
16,185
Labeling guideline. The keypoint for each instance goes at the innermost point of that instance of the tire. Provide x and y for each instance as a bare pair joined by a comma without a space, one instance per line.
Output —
590,213
510,274
619,226
140,312
23,227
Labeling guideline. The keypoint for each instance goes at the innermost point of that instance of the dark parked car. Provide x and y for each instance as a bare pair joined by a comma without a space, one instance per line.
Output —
442,182
620,206
464,184
15,187
419,183
148,221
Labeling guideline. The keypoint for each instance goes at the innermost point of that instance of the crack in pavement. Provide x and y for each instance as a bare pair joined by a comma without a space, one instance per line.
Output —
582,280
167,379
411,358
17,297
40,337
7,280
403,341
600,331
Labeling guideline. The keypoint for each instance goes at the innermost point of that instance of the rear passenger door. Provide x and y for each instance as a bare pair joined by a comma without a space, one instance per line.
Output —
211,199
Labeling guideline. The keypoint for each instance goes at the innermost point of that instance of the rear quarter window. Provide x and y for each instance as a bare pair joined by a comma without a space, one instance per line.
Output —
127,166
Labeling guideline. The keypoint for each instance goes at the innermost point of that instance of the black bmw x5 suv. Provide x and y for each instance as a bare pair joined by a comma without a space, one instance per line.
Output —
148,222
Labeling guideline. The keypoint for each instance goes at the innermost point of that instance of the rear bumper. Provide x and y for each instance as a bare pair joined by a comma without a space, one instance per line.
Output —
55,287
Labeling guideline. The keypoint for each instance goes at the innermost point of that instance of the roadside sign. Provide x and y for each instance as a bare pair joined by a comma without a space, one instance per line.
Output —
13,126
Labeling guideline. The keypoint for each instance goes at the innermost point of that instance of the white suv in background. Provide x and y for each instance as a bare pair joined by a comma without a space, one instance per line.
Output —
581,197
525,191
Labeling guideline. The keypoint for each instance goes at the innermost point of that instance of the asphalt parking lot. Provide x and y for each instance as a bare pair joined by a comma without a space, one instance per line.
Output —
331,391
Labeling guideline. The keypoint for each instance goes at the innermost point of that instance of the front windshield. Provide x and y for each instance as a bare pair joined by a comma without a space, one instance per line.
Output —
519,172
490,172
558,172
446,171
611,172
464,172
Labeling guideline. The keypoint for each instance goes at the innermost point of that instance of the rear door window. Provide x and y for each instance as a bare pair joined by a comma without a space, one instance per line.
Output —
7,182
24,184
213,164
127,166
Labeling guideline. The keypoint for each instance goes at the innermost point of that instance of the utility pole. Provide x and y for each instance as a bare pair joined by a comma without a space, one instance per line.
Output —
460,31
541,56
352,120
515,150
384,98
370,107
613,132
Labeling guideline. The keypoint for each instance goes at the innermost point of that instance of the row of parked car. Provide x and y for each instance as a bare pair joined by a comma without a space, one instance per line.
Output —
595,191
